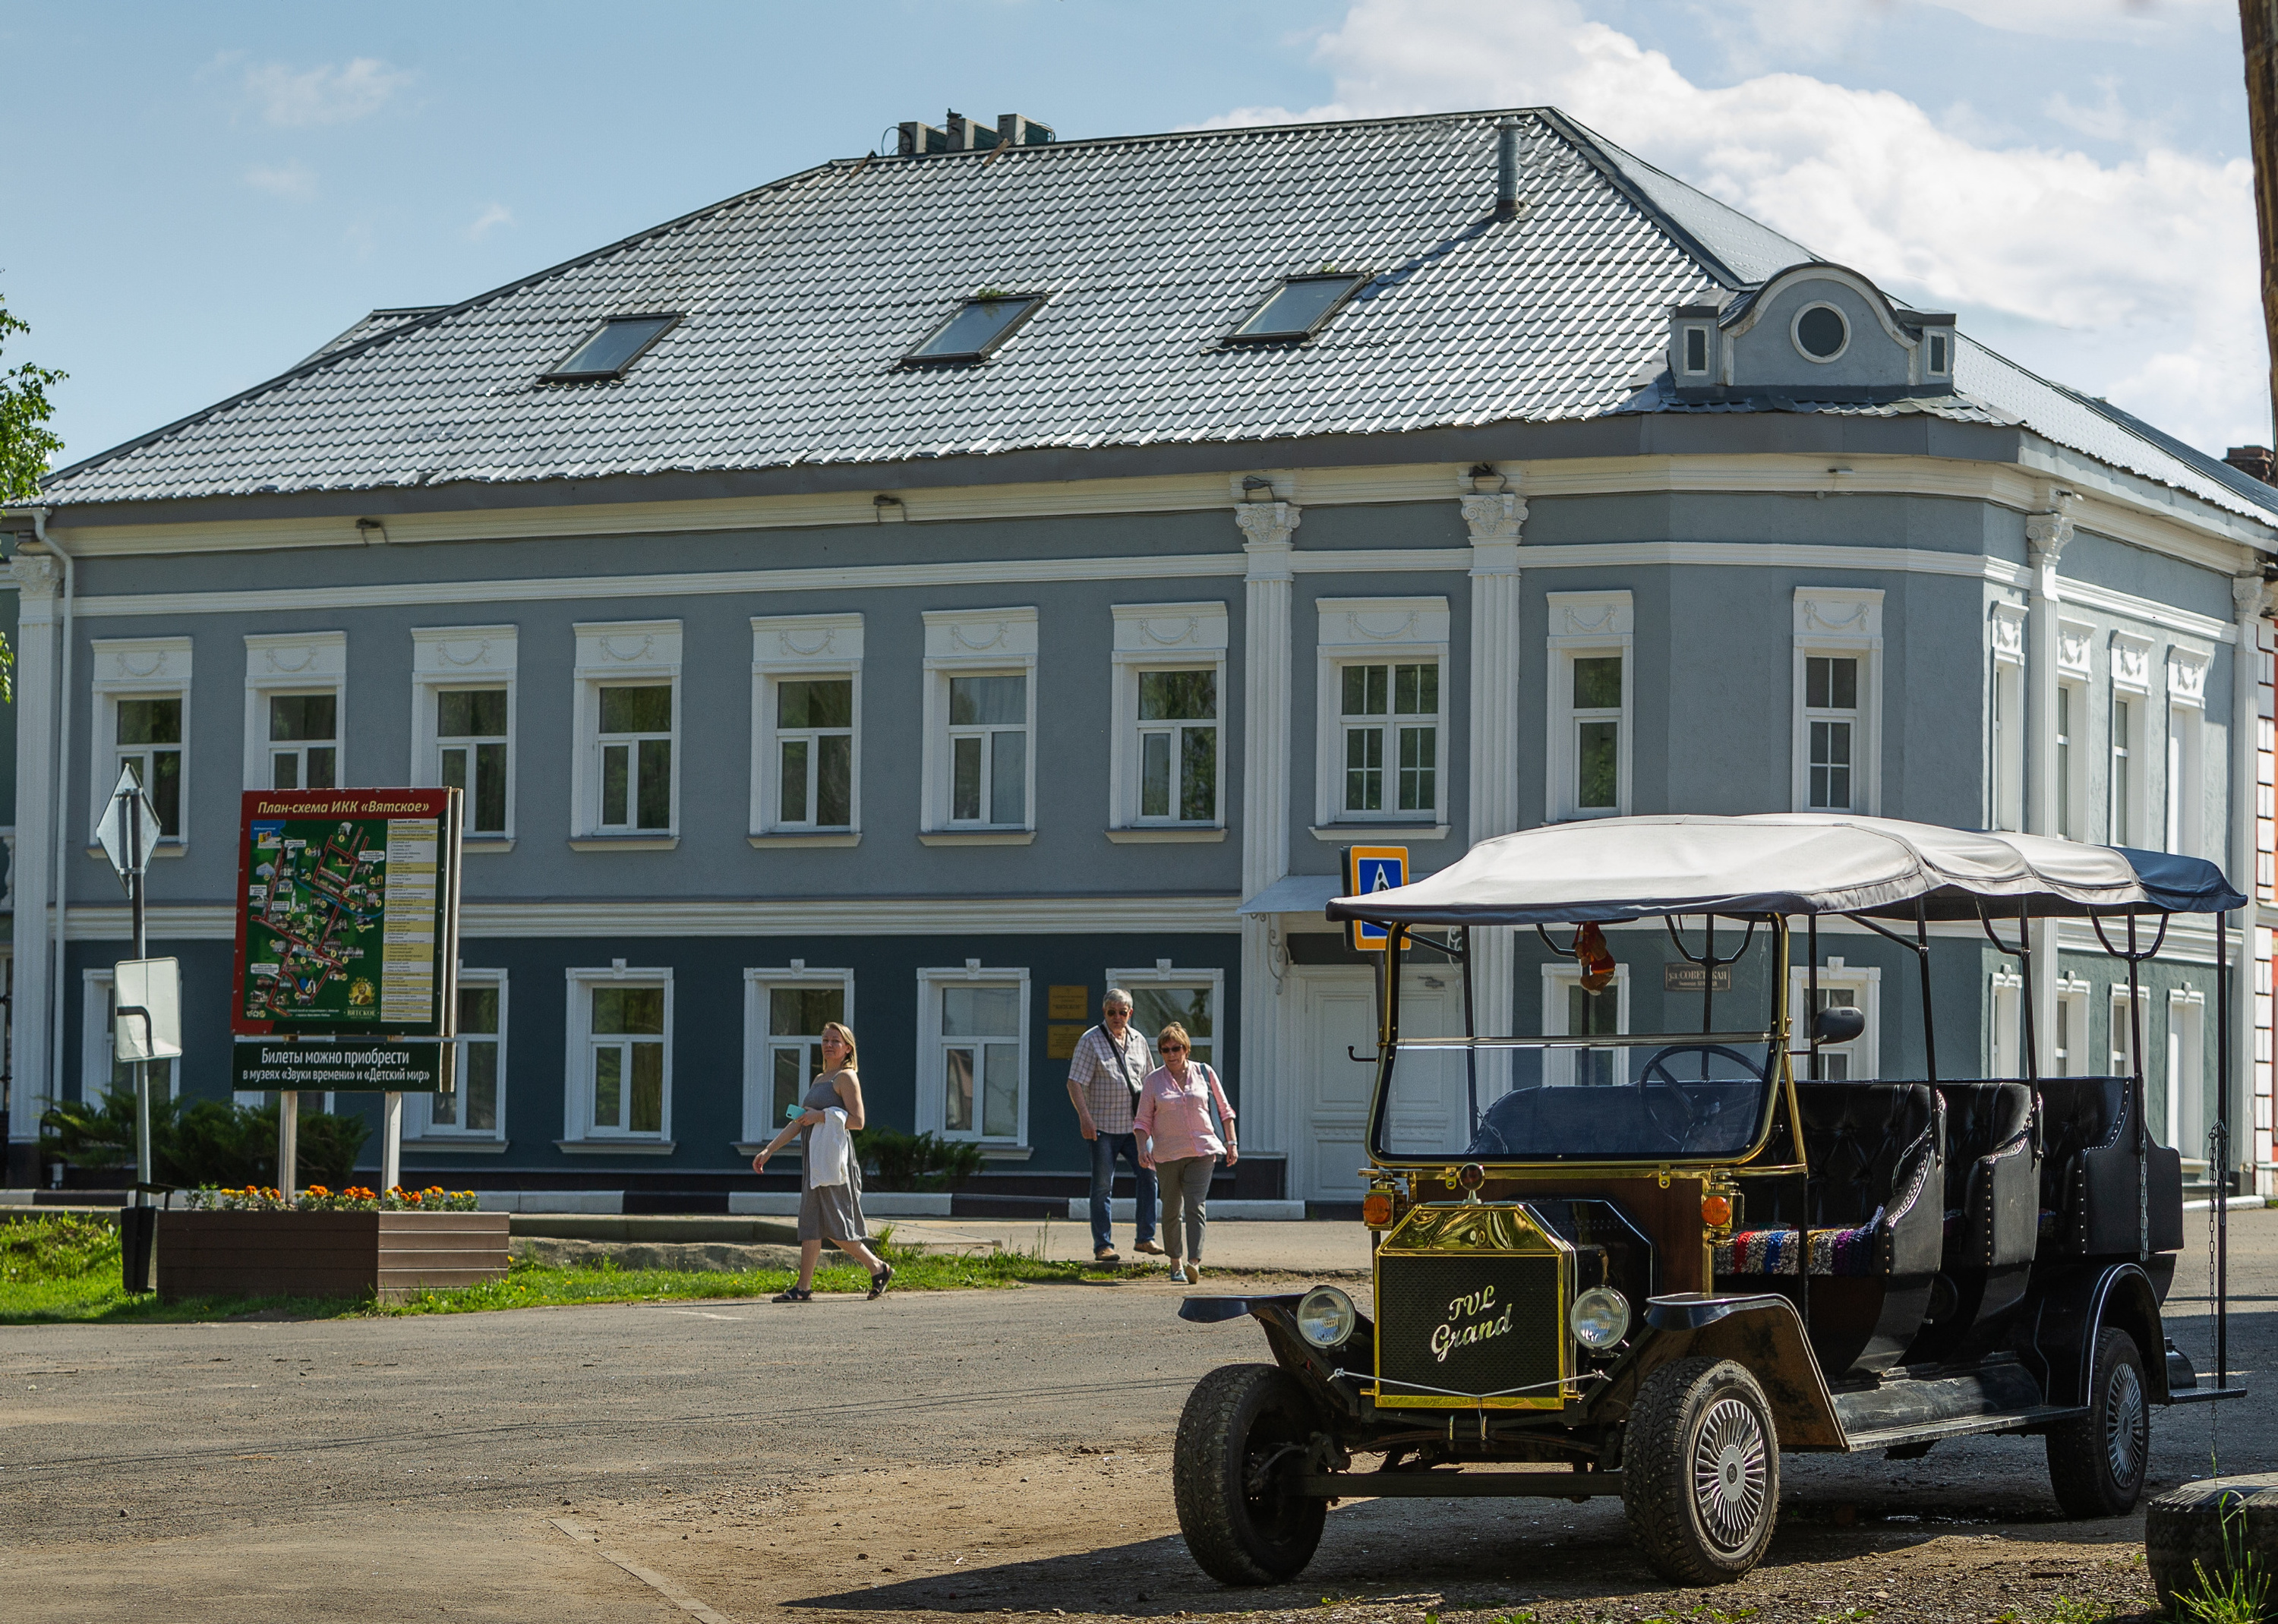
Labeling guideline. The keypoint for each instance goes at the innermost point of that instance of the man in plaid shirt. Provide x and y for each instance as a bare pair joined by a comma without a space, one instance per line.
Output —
1111,1061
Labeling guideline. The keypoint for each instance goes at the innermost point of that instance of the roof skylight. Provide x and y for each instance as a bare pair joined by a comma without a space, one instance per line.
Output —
615,347
1299,308
979,326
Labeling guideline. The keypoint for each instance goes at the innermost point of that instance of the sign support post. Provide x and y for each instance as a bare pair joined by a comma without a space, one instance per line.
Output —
391,1153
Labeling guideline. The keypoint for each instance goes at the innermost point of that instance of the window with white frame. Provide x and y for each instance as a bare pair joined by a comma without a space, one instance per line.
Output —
2187,780
2069,1044
102,1073
973,1054
1170,682
1838,643
2128,779
2121,1032
475,1110
1592,685
626,774
806,700
2005,708
2007,1036
980,719
1379,674
296,703
1842,985
1166,993
1570,1009
2075,656
2187,1079
620,1055
785,1013
462,704
141,717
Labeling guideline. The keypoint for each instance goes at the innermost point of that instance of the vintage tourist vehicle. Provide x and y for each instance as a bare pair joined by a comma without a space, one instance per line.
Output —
1608,1263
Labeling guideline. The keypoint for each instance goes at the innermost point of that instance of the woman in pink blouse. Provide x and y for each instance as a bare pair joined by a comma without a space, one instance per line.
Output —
1174,1125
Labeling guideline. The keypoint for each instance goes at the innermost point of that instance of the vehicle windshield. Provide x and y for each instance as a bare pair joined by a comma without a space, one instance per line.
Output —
1639,1054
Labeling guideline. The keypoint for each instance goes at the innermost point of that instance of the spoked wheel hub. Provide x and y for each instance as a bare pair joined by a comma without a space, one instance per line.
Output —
1729,1473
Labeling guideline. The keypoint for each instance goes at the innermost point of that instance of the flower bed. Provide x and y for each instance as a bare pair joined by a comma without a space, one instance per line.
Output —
353,1243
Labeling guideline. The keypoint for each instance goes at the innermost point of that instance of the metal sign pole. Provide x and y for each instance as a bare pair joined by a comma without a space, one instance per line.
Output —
391,1153
136,861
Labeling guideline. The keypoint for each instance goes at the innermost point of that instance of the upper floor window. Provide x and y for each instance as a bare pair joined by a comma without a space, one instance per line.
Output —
2006,707
463,697
2187,775
2071,766
626,772
296,700
2127,771
1170,676
141,712
981,714
806,688
1381,662
1591,724
1838,643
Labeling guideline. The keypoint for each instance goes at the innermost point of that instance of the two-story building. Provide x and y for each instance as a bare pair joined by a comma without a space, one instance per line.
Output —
929,588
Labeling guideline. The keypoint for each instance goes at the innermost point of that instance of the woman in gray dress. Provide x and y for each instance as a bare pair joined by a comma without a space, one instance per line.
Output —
832,1212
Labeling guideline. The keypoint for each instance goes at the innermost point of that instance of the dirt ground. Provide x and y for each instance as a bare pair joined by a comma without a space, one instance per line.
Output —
930,1456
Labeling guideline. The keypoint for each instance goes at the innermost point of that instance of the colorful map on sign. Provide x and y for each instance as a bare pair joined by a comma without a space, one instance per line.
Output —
315,914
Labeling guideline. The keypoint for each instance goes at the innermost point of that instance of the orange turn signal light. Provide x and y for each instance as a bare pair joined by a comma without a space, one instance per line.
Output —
1376,1208
1715,1211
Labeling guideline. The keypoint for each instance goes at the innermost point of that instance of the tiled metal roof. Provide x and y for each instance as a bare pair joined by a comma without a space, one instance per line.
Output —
801,297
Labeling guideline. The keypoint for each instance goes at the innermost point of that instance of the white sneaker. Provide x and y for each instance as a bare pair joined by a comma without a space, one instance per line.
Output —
1178,1275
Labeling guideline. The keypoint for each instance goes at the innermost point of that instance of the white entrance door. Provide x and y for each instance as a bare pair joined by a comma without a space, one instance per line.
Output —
1335,1005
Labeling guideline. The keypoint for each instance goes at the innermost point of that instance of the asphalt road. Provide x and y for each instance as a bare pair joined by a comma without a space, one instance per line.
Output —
933,1451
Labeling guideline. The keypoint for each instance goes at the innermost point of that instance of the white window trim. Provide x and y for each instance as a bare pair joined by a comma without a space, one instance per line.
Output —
1584,624
974,642
1865,983
2005,714
2187,1059
1845,622
932,1081
759,1077
797,646
1165,973
2070,989
98,1040
137,668
1558,1063
577,1081
2116,1015
1680,362
1162,637
444,658
2072,762
421,1121
305,662
2131,684
1377,632
2186,779
627,654
2005,1046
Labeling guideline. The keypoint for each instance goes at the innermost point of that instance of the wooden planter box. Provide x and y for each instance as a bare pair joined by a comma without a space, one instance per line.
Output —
384,1254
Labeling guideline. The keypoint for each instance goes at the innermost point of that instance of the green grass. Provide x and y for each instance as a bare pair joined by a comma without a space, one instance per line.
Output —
80,1284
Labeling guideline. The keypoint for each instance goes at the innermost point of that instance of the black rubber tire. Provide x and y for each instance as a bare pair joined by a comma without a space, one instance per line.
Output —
1238,1416
2097,1464
1709,1527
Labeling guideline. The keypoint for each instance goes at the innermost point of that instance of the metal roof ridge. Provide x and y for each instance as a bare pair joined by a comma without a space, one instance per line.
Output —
1591,147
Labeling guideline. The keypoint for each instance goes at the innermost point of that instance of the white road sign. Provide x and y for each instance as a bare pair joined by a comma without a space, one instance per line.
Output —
147,1009
113,834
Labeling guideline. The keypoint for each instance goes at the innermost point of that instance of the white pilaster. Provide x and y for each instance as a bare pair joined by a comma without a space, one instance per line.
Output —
2045,535
37,576
1494,519
1267,590
2251,600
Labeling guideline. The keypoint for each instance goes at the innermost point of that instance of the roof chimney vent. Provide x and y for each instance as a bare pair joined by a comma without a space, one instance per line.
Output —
2254,459
1507,169
964,134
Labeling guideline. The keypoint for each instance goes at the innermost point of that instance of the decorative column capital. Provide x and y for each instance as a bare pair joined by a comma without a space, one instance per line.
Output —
1497,515
35,574
2046,533
2252,596
1266,531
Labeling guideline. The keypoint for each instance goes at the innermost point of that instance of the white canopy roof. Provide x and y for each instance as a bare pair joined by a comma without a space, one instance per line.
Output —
1628,868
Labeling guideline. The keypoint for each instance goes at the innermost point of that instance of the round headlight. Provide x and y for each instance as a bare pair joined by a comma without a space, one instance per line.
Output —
1600,1317
1325,1316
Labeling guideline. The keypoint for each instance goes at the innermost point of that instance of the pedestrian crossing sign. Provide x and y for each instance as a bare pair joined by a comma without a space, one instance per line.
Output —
1373,869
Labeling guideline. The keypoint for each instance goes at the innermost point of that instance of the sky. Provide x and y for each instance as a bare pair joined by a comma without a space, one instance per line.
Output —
196,197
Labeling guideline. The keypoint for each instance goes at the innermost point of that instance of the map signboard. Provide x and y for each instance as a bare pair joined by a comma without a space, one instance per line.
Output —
347,913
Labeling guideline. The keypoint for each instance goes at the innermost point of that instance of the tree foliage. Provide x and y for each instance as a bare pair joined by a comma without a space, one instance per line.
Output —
27,444
210,1141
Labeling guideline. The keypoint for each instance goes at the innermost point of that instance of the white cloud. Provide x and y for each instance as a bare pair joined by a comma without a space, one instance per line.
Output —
488,220
2134,279
323,95
291,178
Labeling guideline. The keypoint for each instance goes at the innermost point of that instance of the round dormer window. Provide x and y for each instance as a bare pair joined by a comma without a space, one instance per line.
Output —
1820,332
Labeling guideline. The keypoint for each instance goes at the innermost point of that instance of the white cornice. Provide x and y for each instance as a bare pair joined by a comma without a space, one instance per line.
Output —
664,917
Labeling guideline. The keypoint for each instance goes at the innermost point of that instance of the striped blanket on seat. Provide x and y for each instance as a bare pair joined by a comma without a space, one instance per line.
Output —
1777,1252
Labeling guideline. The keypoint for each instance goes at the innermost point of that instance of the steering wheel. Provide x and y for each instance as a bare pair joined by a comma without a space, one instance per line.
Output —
1654,1077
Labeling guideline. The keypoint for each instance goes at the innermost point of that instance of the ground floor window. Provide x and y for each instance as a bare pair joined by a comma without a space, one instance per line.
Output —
1570,1009
785,1013
476,1108
102,1073
1165,994
620,1055
2069,1044
973,1028
1842,985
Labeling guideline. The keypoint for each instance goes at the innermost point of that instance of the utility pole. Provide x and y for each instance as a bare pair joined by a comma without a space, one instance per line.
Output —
2258,28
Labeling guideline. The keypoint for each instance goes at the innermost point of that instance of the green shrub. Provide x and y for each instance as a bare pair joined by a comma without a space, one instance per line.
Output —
210,1142
897,1161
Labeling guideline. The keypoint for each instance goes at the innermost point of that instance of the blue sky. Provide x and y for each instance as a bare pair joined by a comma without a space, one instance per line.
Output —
200,195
